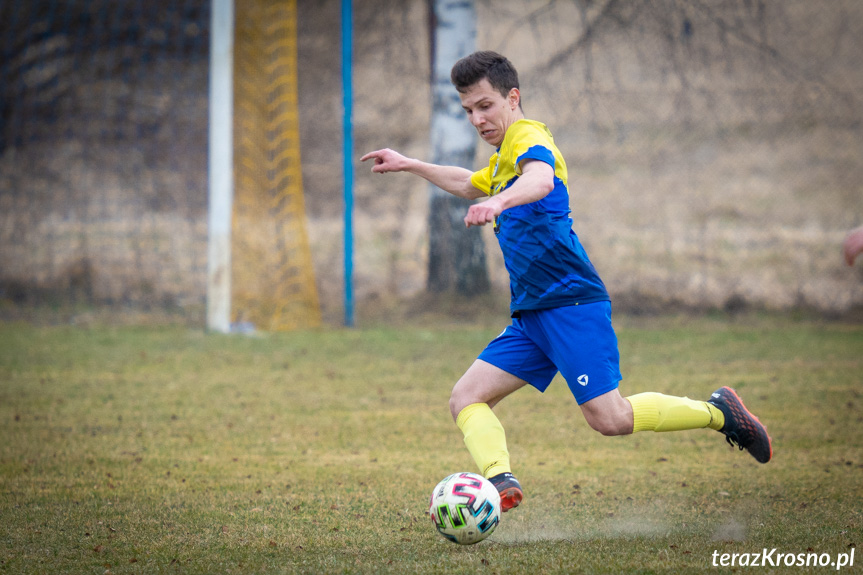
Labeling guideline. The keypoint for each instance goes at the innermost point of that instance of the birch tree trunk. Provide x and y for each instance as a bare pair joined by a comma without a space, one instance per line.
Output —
456,254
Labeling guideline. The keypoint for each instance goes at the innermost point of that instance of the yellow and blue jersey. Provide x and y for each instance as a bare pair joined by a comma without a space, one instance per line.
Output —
547,265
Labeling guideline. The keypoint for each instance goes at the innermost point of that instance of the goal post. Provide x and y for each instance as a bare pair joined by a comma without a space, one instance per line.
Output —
220,167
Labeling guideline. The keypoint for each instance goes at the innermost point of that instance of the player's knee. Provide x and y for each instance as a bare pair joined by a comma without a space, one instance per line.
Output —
609,414
453,409
456,404
610,427
459,398
611,424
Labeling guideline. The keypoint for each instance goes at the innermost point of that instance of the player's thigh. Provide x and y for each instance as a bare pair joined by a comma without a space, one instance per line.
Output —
483,383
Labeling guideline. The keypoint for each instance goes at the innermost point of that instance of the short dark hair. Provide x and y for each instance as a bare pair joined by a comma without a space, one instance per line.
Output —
499,72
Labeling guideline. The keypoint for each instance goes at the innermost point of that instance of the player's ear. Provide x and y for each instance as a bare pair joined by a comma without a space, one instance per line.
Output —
514,98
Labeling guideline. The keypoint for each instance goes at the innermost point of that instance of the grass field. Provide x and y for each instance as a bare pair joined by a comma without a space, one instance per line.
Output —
166,450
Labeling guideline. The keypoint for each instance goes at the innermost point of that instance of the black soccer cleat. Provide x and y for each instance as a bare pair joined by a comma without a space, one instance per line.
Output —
509,488
741,427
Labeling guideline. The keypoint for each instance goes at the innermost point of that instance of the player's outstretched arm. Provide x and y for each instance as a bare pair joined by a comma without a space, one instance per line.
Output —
452,179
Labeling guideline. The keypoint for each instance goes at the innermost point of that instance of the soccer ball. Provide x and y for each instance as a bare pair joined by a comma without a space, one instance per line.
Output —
465,508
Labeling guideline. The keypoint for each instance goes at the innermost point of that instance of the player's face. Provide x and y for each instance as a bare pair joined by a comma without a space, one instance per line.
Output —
490,112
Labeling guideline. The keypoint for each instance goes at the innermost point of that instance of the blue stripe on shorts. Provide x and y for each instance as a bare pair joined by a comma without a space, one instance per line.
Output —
578,341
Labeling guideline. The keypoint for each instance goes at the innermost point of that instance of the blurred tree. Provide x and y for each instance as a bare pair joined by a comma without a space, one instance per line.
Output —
456,253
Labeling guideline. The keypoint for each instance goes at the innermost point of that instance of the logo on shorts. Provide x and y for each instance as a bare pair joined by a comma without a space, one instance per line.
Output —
582,379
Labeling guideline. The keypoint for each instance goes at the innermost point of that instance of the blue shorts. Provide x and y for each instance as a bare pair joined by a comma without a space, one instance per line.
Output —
578,341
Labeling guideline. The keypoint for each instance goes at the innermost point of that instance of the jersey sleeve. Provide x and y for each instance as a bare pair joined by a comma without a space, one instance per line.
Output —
481,180
531,144
537,152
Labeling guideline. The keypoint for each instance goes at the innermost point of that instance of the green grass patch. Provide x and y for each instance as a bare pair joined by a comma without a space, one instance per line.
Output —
166,450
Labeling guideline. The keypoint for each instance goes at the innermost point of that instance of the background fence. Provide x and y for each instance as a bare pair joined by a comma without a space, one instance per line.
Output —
104,141
103,153
713,147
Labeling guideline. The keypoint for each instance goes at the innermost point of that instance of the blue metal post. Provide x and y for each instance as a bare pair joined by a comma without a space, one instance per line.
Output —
347,87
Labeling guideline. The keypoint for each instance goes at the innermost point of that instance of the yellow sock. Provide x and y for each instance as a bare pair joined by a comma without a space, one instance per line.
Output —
658,412
484,438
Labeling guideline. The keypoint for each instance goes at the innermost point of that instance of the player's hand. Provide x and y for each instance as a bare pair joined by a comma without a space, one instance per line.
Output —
386,160
853,245
483,213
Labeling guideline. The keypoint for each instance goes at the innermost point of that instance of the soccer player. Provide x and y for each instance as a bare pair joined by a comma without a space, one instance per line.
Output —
561,311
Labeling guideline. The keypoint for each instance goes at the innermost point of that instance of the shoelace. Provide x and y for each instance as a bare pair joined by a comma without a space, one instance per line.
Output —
735,442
